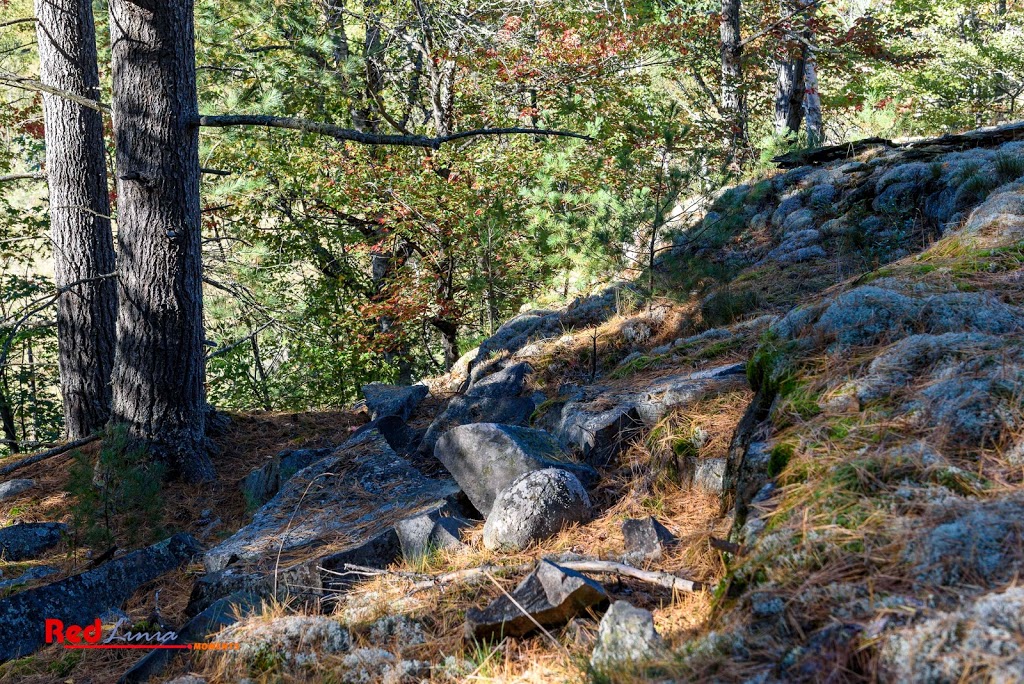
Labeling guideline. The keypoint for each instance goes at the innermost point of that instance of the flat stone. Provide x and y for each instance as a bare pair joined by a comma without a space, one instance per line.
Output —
486,458
645,539
538,505
354,494
25,541
551,595
81,598
393,400
625,636
12,488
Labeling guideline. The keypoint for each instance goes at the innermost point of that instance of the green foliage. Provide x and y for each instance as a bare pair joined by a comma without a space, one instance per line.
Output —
779,457
116,499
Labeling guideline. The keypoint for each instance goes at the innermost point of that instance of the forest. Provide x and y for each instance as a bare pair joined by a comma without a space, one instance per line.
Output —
267,260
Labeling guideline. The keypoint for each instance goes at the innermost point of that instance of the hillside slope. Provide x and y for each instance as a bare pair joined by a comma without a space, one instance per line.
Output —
822,409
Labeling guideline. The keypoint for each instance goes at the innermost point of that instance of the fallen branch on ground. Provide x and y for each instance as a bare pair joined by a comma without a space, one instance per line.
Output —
423,581
49,453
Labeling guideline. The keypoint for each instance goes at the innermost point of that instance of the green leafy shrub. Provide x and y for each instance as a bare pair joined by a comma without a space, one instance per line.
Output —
117,498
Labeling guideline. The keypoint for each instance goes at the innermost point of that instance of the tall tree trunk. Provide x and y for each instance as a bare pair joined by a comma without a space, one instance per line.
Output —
789,82
732,104
789,96
83,246
812,102
7,418
159,369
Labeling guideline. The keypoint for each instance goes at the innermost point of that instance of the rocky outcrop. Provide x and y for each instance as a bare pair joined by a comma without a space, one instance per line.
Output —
487,458
81,598
600,421
980,641
536,506
551,595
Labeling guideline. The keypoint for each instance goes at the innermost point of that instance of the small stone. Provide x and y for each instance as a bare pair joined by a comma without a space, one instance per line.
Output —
626,635
428,532
12,488
551,595
645,539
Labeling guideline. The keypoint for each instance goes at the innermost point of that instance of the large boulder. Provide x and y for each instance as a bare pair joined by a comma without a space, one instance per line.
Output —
626,636
550,595
486,458
80,599
393,400
28,540
463,410
536,506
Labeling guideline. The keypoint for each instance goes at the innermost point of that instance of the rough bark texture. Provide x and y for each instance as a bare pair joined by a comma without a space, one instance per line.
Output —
83,246
812,102
732,74
789,84
159,372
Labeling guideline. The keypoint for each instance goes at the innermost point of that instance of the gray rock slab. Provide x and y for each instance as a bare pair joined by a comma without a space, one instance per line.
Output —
80,599
626,635
12,488
393,400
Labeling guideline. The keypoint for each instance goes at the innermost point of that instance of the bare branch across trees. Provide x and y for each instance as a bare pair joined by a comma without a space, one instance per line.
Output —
341,133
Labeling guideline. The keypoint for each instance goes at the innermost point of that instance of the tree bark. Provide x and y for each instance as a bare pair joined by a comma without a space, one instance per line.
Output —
732,103
159,368
83,245
812,102
789,86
